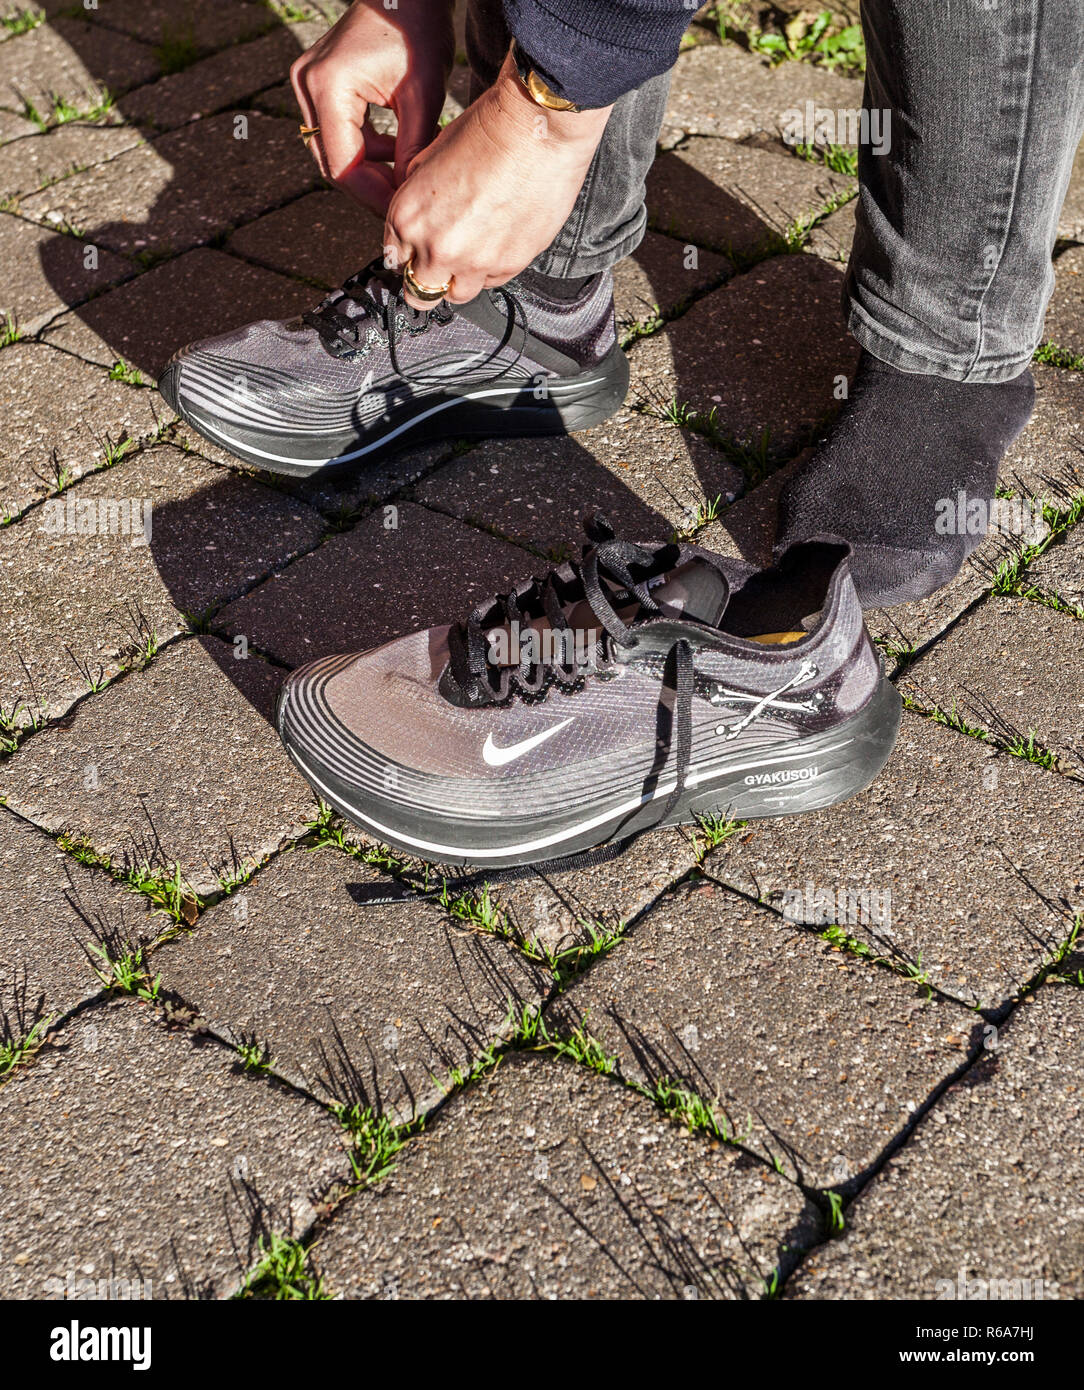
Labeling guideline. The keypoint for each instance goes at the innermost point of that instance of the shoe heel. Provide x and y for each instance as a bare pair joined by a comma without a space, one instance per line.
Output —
822,771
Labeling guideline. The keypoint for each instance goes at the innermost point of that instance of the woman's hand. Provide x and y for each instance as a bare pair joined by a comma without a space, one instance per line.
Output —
399,58
491,192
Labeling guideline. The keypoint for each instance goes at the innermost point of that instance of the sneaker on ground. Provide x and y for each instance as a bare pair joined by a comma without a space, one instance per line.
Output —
364,374
644,685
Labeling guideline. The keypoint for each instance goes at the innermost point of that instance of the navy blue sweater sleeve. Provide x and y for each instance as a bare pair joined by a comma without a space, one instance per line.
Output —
593,51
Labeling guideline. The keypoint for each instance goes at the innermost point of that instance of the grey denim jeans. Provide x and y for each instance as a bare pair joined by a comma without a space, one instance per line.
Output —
951,271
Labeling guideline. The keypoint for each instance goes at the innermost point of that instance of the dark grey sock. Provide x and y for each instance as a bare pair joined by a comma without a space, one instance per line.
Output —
576,316
889,478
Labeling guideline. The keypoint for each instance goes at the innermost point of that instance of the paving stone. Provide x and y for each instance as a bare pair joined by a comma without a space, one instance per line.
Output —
14,127
224,79
140,773
51,907
1065,314
980,854
74,59
987,1193
648,477
833,238
278,100
195,296
374,583
212,535
558,909
1060,570
721,90
59,410
325,237
814,1058
140,1154
746,530
1047,460
205,24
49,156
735,198
373,1005
660,275
33,294
1011,665
548,1181
764,352
1071,222
169,203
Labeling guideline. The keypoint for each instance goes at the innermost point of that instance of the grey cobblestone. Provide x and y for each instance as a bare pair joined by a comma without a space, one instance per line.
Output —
810,1057
610,1201
984,1202
195,1163
149,780
89,590
360,1004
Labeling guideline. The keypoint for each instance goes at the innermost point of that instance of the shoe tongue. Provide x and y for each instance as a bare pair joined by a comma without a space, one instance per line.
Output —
695,591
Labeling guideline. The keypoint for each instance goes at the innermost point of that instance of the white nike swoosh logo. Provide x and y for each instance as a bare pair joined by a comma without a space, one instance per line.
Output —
497,757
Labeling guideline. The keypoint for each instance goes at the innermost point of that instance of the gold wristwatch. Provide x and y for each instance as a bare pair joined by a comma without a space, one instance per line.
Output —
538,88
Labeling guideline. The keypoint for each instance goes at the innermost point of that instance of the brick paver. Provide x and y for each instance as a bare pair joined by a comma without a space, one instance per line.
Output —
137,1153
1071,222
324,237
405,568
1059,571
358,1003
75,60
170,205
51,271
809,1056
989,1189
85,574
177,764
1065,315
28,165
1015,669
735,197
194,296
763,352
549,1182
53,913
226,78
717,89
646,476
61,411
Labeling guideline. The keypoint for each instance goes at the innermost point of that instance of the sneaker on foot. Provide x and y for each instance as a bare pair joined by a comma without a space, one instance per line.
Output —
643,685
364,374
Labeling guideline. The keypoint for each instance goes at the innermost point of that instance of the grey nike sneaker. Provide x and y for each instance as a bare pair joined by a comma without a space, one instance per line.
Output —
644,685
363,374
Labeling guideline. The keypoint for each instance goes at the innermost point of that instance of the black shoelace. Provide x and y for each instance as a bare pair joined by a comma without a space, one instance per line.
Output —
343,334
629,567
